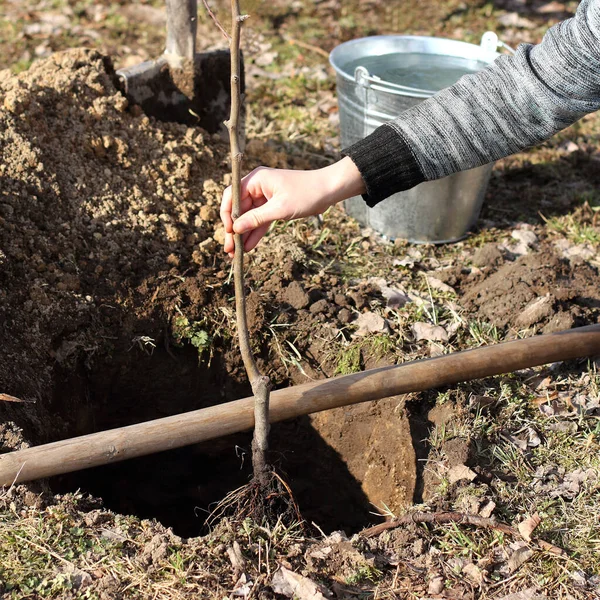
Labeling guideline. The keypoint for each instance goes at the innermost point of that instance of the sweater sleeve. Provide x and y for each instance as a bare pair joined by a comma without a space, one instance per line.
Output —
516,102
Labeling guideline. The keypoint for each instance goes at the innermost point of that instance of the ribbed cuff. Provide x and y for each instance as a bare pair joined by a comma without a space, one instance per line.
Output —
386,164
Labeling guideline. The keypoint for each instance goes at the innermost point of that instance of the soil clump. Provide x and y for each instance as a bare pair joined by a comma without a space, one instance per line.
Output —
540,290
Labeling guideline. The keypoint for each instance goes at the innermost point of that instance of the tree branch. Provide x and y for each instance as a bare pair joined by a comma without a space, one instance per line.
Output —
212,15
460,518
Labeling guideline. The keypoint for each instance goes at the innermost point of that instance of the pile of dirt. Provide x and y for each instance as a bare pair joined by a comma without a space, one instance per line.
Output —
96,198
540,290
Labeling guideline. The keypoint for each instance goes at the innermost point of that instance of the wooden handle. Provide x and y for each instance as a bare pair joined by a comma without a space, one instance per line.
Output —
182,23
224,419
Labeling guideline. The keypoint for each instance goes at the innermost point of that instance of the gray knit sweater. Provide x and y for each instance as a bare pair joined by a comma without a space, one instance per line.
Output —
516,102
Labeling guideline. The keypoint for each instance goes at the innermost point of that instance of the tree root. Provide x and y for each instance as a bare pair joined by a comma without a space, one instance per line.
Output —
459,518
266,501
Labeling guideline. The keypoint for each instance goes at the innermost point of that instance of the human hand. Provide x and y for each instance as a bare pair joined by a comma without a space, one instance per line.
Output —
271,194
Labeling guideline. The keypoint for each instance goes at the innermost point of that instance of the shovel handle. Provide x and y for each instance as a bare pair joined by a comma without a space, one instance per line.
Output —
182,21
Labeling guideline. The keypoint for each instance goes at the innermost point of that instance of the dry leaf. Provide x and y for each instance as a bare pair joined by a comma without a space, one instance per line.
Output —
527,527
238,562
370,322
8,398
461,472
518,557
294,585
527,594
487,509
474,573
439,285
432,333
436,585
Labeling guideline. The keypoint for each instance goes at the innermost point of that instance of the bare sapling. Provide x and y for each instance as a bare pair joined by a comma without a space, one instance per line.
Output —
267,498
261,384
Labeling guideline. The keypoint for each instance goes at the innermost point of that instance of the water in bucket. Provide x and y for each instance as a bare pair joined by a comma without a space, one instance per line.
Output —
432,72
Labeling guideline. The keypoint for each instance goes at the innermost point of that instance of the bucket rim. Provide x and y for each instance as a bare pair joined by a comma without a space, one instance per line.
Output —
487,57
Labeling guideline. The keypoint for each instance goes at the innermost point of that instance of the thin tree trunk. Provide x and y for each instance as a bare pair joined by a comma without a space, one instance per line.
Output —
260,384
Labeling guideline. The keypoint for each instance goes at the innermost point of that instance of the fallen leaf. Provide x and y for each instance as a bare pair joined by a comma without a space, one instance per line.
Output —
513,19
527,527
8,398
238,562
427,331
439,285
436,585
474,573
519,557
294,585
243,587
551,7
520,443
481,402
526,594
460,472
370,322
487,509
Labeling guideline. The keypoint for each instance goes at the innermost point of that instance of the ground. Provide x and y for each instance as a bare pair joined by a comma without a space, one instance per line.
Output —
116,307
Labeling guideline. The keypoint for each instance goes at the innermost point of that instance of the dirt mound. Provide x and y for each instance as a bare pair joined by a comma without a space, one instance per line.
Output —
539,289
95,197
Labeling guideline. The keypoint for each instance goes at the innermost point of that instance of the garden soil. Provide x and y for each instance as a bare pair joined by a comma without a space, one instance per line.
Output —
116,307
110,255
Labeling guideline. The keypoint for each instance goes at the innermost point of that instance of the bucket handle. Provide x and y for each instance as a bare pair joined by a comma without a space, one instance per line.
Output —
365,79
490,42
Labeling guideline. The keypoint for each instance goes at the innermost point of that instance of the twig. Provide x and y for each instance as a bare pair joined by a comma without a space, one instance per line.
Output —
260,385
212,15
12,485
459,518
300,44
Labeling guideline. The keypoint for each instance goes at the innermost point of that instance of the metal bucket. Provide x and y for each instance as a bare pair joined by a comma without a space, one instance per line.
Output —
435,211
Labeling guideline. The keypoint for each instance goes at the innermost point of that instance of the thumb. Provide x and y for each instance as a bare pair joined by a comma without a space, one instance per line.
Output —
262,215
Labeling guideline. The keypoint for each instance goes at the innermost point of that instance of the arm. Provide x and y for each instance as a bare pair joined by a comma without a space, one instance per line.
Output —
516,102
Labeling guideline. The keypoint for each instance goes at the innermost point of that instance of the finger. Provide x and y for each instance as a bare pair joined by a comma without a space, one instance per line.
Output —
226,210
257,217
255,237
229,244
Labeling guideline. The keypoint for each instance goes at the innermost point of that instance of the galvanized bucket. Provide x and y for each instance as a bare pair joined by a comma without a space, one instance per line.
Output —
435,211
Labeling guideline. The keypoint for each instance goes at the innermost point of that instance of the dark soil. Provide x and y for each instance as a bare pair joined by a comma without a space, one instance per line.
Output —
540,290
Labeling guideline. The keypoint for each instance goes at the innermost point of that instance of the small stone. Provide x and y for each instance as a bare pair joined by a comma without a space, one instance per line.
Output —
320,306
340,300
344,316
295,296
436,585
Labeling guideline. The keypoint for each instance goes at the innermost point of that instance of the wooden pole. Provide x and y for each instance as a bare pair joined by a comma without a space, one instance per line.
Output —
182,23
224,419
